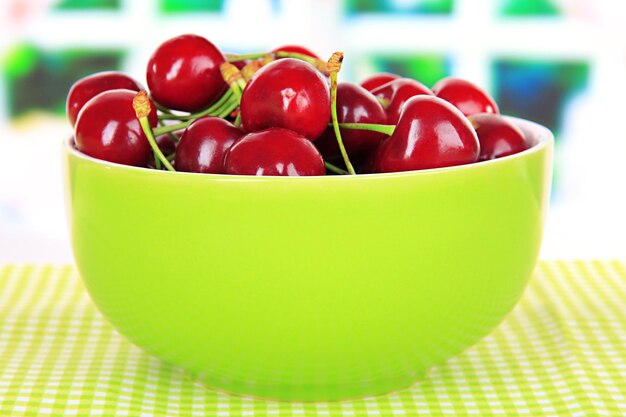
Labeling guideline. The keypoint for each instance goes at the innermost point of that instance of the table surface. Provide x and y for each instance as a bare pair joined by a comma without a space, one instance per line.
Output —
562,351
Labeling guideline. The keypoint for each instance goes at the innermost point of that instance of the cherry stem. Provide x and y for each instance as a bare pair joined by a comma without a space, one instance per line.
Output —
317,63
334,66
215,107
385,129
175,138
223,112
143,108
243,57
229,109
172,128
233,78
162,108
147,130
335,169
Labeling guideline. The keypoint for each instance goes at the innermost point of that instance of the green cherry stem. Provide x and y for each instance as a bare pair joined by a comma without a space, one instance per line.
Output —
162,108
335,169
175,138
227,110
385,129
317,63
223,112
333,66
141,104
243,57
233,78
172,128
207,112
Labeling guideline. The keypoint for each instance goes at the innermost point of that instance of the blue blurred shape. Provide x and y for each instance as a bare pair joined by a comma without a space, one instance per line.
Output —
538,90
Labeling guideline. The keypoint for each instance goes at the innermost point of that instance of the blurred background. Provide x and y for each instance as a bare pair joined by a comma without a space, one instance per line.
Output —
561,63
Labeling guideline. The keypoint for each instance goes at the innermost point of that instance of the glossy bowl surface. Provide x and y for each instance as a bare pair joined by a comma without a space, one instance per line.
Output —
317,288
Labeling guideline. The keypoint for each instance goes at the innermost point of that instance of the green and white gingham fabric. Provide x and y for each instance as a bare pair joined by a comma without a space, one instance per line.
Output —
561,352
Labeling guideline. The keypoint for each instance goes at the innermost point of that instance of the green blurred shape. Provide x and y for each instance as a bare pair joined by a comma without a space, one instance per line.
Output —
527,8
87,4
428,7
186,6
20,60
39,80
426,68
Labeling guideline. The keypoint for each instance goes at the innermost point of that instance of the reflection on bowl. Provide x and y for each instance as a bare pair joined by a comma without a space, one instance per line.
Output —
310,288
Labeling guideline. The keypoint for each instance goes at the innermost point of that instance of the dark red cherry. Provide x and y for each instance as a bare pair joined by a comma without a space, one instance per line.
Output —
431,133
184,73
86,88
377,80
274,151
497,136
354,105
204,145
395,93
167,144
107,128
465,96
287,93
297,49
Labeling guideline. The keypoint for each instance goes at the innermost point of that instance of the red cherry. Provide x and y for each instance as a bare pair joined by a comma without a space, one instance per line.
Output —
354,105
107,128
497,136
204,144
86,88
395,93
166,143
274,151
287,93
296,49
431,133
467,97
184,73
377,80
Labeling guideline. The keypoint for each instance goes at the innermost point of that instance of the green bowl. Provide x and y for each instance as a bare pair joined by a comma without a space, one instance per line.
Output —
309,288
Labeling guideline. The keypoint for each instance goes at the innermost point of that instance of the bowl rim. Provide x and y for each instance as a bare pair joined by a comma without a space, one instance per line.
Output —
542,138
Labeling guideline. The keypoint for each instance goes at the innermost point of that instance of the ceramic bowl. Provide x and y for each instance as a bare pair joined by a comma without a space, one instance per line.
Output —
309,288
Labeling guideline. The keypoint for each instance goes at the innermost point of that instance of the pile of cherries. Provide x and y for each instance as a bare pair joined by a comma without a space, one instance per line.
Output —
281,113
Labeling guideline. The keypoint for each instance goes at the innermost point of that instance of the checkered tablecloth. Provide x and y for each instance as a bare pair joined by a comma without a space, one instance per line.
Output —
561,352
